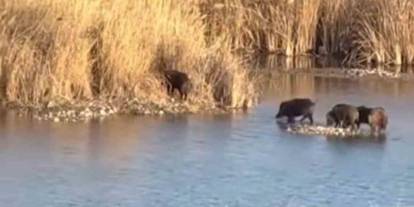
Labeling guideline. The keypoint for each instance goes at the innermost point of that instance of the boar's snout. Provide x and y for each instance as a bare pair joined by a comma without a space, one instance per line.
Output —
329,120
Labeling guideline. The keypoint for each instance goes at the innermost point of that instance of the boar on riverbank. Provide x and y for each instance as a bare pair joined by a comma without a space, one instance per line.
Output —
296,107
343,115
176,80
375,117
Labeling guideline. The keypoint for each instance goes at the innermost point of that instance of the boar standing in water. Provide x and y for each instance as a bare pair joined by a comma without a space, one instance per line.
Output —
296,107
177,80
343,115
376,118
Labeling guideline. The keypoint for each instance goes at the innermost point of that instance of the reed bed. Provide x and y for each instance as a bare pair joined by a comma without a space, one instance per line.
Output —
356,31
71,51
386,32
267,26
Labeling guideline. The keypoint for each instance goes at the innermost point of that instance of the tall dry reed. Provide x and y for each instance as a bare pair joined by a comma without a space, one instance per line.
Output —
74,50
278,26
357,31
335,32
386,32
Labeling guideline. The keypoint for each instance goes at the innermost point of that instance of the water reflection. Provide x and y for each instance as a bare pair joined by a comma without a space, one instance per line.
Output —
360,138
307,85
206,160
283,63
309,63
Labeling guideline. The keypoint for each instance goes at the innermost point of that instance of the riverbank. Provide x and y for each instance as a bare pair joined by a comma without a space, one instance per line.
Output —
73,52
242,160
93,110
101,109
88,55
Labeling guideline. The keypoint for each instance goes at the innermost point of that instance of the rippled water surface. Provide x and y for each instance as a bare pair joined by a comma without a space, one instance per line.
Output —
227,160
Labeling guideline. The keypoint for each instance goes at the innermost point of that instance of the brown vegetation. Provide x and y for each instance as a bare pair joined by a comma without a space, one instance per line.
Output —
76,50
357,31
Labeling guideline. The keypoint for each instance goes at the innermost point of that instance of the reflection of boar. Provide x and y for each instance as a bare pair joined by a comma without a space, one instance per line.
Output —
343,115
375,117
178,80
296,107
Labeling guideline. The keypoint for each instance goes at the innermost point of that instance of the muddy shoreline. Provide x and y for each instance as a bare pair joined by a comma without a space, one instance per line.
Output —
100,109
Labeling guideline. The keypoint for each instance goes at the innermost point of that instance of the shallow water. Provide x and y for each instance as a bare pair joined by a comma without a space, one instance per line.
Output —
227,160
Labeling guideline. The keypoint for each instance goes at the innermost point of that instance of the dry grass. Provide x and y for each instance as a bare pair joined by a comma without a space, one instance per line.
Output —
277,26
74,50
386,32
336,27
357,31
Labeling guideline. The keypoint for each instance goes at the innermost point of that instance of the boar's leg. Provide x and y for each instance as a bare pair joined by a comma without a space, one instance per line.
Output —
354,127
342,124
337,123
170,89
374,129
358,124
307,116
310,117
183,95
348,123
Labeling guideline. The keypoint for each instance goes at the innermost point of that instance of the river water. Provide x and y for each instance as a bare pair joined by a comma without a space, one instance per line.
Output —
242,159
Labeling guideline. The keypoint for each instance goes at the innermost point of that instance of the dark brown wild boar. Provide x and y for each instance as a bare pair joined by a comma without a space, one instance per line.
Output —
296,107
176,80
375,117
343,115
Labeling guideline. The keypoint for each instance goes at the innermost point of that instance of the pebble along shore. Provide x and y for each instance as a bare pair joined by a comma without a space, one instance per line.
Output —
100,110
322,130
